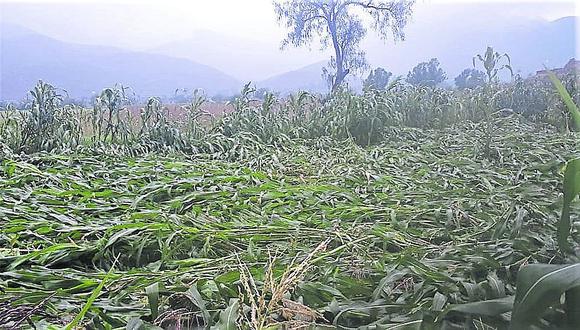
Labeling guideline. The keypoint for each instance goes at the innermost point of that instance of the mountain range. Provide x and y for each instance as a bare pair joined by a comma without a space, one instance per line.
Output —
82,70
221,64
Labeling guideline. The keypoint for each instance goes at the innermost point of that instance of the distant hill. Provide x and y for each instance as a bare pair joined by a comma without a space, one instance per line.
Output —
244,58
551,44
27,56
530,44
308,78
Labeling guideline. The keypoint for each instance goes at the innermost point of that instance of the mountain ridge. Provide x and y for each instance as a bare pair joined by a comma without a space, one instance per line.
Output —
27,56
83,70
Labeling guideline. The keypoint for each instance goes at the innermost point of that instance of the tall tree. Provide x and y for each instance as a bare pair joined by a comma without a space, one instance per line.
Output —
338,23
426,74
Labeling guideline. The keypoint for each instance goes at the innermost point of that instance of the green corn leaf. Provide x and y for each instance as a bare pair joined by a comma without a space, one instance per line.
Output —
574,112
573,305
538,287
195,297
409,325
89,302
490,307
138,324
152,292
496,286
228,317
571,190
439,301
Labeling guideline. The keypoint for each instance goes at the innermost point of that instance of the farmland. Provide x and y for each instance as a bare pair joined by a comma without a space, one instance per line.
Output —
388,209
289,164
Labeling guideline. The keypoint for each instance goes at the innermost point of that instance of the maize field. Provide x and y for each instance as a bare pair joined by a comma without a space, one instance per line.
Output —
403,209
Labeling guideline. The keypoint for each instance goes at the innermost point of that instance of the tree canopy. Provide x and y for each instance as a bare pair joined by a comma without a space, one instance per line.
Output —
470,78
426,74
377,79
338,24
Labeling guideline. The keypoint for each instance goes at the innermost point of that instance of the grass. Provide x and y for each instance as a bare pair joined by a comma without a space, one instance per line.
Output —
313,231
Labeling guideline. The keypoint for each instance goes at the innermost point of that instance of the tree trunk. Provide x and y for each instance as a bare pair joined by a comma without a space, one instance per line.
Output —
341,73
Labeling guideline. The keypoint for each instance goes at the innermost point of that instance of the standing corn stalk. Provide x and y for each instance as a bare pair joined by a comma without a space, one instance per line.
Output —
194,129
491,62
45,101
46,124
106,120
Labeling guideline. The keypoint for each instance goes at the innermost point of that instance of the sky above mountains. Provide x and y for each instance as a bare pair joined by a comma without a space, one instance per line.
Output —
136,24
218,45
250,31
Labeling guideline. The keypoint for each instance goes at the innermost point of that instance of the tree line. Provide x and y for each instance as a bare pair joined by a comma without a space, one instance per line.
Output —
340,25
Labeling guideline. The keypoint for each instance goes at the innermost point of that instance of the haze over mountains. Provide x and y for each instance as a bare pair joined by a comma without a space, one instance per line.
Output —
220,64
531,43
84,69
261,59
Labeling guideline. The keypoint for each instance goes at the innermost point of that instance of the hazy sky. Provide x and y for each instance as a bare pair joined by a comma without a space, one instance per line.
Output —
146,24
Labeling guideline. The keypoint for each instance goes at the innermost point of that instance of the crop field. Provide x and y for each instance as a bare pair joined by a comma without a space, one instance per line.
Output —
408,207
154,187
176,111
321,232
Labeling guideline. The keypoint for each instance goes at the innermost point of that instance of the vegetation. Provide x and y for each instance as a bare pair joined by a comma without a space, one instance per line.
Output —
491,63
377,79
409,206
426,74
540,286
405,206
470,78
337,24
